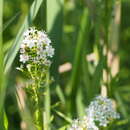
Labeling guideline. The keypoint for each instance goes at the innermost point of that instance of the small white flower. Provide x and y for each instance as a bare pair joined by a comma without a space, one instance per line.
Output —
47,41
23,46
83,124
28,32
24,58
49,51
42,34
31,43
22,50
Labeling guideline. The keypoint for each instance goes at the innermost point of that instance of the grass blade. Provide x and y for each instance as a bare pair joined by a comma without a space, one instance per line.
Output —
121,105
60,94
10,21
9,58
47,105
54,27
2,77
74,79
97,76
63,116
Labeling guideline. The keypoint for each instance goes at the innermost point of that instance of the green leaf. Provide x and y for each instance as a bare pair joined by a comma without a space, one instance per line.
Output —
63,116
54,27
5,121
60,94
73,84
7,46
97,76
10,56
2,76
10,21
80,106
121,105
47,105
63,127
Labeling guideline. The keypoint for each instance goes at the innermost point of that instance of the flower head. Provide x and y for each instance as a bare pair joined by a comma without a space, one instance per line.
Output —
99,113
101,110
35,48
83,124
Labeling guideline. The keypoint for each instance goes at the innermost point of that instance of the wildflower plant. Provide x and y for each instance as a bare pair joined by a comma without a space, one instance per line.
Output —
36,52
99,114
102,111
83,124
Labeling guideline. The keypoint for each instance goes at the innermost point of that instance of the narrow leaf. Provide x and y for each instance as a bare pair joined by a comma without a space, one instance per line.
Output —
2,77
9,58
54,27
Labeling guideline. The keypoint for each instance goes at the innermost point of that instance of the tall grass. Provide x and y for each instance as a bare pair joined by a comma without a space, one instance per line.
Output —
2,76
74,80
55,28
97,31
10,56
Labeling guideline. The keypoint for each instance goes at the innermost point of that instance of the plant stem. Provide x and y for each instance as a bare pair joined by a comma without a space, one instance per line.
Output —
72,86
40,107
38,97
2,78
47,105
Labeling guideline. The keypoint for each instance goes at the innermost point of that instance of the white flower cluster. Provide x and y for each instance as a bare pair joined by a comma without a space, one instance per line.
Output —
83,124
36,48
76,125
100,112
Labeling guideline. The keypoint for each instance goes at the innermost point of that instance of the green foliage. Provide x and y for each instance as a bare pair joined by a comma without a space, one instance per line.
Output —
10,56
83,32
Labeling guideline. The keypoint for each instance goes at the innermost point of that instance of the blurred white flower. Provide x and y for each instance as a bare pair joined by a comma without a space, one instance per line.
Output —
99,113
101,110
76,125
83,124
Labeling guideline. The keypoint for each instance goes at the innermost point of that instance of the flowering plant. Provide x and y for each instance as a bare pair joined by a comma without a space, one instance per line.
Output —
35,54
35,50
100,113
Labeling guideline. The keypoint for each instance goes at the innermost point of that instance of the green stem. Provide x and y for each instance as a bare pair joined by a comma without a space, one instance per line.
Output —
107,23
72,86
40,107
39,102
46,113
2,78
104,128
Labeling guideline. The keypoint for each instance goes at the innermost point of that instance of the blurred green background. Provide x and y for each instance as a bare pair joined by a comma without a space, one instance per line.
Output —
80,31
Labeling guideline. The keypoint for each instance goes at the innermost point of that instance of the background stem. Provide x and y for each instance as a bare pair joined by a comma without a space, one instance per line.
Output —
47,103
